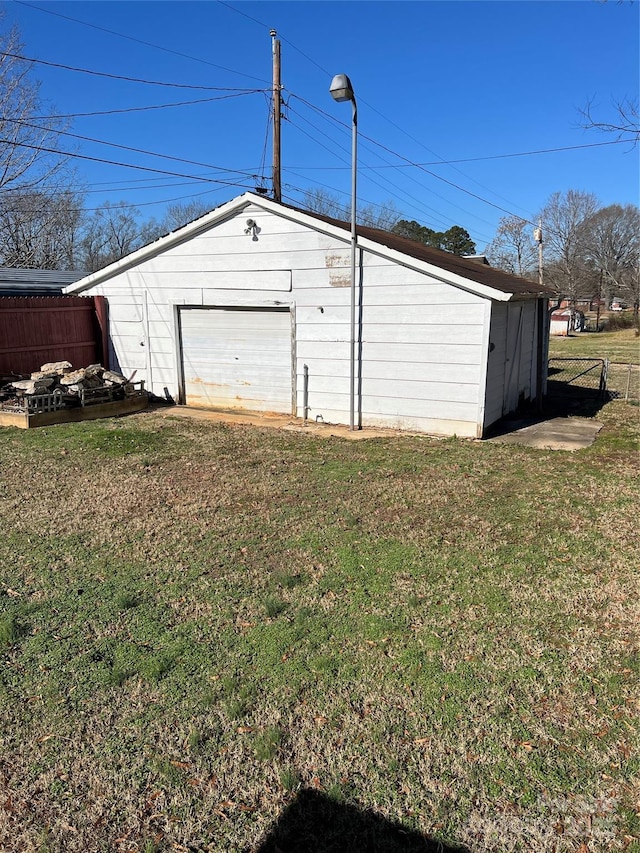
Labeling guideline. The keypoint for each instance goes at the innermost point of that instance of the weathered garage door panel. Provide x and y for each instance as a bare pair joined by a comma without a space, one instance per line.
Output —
237,358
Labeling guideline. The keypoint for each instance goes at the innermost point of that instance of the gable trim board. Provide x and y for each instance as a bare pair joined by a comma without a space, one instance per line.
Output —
426,321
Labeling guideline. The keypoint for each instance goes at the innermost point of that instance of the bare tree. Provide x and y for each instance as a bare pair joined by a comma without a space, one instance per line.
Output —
513,249
178,215
625,121
563,219
28,138
326,204
611,244
38,230
112,232
383,216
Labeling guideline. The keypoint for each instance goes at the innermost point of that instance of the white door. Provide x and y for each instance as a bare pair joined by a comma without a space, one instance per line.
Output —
236,358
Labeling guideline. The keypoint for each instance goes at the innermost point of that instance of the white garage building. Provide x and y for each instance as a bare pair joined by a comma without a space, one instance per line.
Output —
232,315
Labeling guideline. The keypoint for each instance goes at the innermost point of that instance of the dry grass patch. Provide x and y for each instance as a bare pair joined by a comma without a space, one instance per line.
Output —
199,623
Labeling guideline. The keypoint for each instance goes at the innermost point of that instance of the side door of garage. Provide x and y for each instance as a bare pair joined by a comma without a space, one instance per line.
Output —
237,358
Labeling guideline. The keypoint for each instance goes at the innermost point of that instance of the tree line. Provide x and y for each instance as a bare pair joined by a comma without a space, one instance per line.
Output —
589,250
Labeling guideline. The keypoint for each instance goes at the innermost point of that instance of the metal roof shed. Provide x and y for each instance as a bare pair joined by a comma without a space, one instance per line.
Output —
236,316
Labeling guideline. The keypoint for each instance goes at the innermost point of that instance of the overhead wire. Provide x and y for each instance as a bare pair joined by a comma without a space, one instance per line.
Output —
435,154
104,161
419,202
408,163
140,41
417,165
122,110
263,160
60,207
262,24
333,189
84,138
120,76
472,159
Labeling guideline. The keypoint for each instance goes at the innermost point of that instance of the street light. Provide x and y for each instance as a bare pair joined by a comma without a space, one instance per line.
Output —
342,90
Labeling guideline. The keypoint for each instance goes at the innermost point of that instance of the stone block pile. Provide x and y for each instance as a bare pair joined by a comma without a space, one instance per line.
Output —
73,386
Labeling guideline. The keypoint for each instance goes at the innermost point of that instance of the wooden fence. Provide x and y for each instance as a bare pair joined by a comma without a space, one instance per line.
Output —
39,329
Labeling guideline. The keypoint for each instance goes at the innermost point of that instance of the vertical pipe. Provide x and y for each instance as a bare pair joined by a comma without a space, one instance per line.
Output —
305,392
352,362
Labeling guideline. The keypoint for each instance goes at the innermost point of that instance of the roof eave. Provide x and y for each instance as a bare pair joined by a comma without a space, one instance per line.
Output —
232,207
151,249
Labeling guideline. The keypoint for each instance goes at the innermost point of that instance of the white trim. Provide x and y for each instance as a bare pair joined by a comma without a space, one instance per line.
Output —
232,207
482,384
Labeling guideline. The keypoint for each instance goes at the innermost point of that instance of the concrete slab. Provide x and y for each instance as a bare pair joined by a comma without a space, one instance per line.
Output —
276,421
554,434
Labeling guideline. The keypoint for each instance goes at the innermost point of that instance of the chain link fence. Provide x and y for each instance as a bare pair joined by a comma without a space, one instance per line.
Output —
623,381
579,377
592,378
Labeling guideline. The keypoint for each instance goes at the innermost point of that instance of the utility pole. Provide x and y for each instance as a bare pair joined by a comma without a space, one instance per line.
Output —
542,323
537,236
277,100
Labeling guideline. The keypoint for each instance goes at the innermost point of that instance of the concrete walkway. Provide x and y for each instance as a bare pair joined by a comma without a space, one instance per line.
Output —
553,434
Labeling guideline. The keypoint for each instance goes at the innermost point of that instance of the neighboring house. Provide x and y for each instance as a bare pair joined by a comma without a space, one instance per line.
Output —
249,305
26,282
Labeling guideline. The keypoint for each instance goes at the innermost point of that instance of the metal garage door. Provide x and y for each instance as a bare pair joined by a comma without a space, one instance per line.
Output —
236,358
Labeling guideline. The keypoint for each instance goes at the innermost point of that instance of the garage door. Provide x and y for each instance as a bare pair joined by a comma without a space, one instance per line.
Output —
237,358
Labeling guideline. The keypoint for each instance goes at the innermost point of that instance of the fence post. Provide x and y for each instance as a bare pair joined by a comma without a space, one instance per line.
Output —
603,377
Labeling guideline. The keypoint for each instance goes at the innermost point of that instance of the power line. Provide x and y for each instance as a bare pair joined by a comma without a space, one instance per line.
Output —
80,190
129,148
422,168
71,155
150,107
262,24
139,41
472,159
419,202
333,189
42,208
119,76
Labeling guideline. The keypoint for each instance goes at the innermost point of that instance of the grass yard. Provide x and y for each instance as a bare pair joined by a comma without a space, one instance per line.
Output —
621,346
216,638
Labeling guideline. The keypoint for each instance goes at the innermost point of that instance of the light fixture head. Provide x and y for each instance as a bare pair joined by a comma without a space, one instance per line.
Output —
341,88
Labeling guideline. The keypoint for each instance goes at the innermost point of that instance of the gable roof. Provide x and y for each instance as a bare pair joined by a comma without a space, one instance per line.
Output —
466,267
461,272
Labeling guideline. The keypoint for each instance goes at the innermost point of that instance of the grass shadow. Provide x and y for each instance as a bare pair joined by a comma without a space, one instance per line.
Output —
316,823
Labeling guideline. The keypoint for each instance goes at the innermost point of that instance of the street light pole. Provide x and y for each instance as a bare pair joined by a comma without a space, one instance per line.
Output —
342,90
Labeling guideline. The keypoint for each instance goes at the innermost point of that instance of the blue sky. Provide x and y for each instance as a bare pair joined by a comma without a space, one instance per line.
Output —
435,81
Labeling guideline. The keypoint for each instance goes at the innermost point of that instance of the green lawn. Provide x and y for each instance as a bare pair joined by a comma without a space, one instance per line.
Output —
622,346
200,623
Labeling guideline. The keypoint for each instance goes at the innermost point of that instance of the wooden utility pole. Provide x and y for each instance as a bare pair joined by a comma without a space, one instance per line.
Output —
277,100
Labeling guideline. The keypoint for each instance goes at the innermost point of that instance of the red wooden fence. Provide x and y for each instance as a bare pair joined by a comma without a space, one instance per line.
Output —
38,329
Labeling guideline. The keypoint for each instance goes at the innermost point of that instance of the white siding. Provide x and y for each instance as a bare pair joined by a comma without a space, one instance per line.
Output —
512,367
423,341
